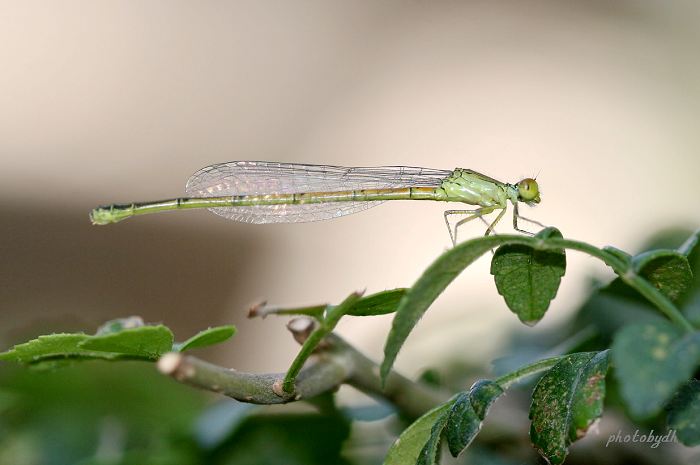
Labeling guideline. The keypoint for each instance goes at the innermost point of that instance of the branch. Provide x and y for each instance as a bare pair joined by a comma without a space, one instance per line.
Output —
337,363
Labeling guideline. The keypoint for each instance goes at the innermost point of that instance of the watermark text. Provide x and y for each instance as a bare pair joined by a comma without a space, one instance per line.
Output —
649,438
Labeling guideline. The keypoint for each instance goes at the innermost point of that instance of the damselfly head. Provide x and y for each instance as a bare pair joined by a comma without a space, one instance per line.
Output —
528,191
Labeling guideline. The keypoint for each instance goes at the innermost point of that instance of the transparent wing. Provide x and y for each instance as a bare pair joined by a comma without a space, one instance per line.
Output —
262,177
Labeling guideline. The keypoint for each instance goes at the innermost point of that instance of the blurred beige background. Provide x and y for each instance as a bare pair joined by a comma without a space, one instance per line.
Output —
104,102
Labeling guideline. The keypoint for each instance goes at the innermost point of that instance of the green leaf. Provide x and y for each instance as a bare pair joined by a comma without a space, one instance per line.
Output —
459,418
467,413
428,287
207,337
651,361
691,301
148,342
528,279
690,246
566,401
463,424
409,447
482,394
668,270
435,279
379,303
684,413
430,453
53,346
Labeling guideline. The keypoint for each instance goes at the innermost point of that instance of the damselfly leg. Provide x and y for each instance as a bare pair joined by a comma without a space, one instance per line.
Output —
478,213
517,216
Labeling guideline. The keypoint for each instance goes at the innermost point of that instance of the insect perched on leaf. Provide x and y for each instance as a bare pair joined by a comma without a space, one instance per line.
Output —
269,192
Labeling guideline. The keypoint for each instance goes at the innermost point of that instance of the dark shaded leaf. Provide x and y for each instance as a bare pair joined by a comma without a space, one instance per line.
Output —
208,337
284,439
467,413
651,361
692,308
668,270
684,413
566,401
66,413
690,247
482,394
430,454
463,424
528,279
691,301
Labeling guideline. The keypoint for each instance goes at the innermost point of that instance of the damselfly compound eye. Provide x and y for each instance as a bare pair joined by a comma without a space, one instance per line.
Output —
528,190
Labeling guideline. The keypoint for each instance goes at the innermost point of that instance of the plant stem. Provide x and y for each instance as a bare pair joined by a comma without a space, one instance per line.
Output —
253,387
327,324
337,364
537,367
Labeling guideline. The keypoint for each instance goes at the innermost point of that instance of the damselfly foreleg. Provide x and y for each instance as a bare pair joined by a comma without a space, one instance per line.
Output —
516,217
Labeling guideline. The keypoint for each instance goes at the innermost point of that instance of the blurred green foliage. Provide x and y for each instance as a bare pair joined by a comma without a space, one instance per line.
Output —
108,413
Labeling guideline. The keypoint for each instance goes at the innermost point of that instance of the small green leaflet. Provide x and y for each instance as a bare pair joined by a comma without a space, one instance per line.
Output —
566,401
53,346
208,337
145,342
126,338
467,414
379,303
651,361
528,279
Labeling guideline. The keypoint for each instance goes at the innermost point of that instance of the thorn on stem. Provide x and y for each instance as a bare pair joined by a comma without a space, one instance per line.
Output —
257,310
277,388
169,363
301,328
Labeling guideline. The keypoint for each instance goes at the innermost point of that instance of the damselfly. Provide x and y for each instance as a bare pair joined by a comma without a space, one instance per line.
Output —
269,192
